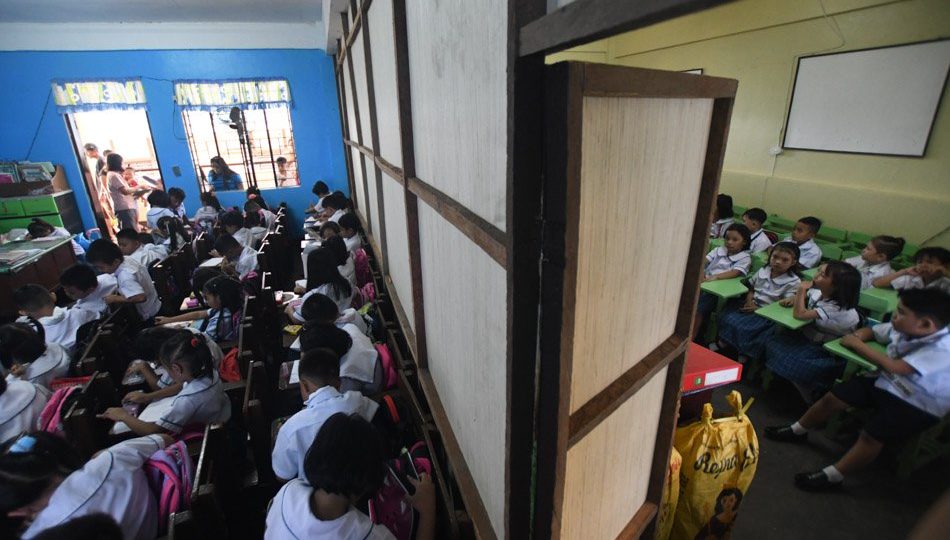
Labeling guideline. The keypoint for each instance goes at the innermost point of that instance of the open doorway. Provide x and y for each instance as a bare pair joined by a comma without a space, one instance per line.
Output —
127,132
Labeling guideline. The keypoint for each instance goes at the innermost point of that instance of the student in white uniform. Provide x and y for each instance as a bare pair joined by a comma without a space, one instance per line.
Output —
321,190
176,196
875,259
324,277
345,463
135,284
201,400
44,481
931,271
360,366
26,356
81,283
910,394
267,218
160,203
132,248
344,259
319,388
225,300
207,215
239,260
148,344
21,403
730,260
252,222
233,223
350,231
37,306
334,205
804,235
724,216
40,228
754,218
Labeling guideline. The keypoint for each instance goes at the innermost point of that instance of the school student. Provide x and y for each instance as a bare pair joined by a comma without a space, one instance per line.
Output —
38,307
201,400
252,222
830,302
345,463
324,277
176,198
160,203
44,482
803,234
319,371
333,206
931,271
254,195
754,218
730,260
349,229
233,223
345,264
329,229
360,367
148,344
81,283
40,228
268,218
135,284
130,243
739,326
208,214
240,259
910,394
321,190
724,216
225,300
21,403
875,259
26,356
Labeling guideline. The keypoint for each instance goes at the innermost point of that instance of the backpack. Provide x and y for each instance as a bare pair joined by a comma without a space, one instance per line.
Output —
393,420
361,264
390,378
369,293
170,475
389,507
229,369
51,417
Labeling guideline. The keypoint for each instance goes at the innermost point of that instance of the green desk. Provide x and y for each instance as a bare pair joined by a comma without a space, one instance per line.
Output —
856,362
725,288
810,273
879,302
782,315
42,268
715,243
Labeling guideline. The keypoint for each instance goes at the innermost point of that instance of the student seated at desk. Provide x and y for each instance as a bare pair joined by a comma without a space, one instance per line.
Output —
222,321
323,276
344,258
38,308
44,482
160,203
321,190
724,216
319,371
239,260
135,284
252,222
804,235
739,326
910,394
350,229
148,343
334,206
26,356
345,463
931,271
329,230
233,223
208,214
176,198
255,195
201,400
40,228
754,218
130,243
172,233
268,218
320,307
81,283
731,260
21,403
875,259
360,366
829,301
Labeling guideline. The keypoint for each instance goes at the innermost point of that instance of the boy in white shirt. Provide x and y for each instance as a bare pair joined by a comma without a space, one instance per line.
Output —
803,234
349,230
81,283
911,393
931,271
37,305
321,190
134,283
875,259
176,196
132,248
754,218
240,260
319,387
233,224
334,206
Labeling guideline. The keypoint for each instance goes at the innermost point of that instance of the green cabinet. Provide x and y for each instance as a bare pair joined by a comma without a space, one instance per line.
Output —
11,208
58,208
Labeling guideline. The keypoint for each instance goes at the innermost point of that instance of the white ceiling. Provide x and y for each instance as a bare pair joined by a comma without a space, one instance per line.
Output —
154,11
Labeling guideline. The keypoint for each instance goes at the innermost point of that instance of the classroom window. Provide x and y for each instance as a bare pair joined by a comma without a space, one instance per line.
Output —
270,137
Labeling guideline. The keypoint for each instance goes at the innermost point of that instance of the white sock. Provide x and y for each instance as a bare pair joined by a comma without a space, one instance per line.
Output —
833,474
798,429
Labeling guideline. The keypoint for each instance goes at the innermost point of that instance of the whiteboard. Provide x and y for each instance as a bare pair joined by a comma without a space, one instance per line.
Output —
874,101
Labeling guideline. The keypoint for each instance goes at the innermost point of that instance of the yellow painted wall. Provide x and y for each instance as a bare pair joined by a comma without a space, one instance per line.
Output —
758,43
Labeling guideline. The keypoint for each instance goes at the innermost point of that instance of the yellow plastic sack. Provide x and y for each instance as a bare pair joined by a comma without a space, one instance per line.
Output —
719,461
664,517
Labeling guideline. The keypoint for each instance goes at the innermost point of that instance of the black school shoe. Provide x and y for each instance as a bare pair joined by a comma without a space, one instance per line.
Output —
785,434
815,481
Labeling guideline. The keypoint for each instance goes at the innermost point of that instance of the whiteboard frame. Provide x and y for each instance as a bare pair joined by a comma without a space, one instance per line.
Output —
933,119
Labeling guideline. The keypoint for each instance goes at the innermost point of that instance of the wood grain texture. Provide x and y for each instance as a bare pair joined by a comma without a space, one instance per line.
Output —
465,295
607,472
384,79
458,71
362,94
397,242
641,165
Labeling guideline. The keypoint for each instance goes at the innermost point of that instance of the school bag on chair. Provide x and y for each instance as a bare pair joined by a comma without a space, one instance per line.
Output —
390,377
389,506
51,417
361,264
170,473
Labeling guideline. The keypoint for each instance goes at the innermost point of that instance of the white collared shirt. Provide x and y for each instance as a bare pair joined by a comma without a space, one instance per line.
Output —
216,355
133,280
60,327
770,289
155,213
335,218
809,252
359,363
719,261
760,241
869,272
52,364
206,213
718,228
246,263
20,408
201,401
112,483
290,516
61,232
146,254
296,435
348,269
326,289
243,236
257,235
94,302
832,321
929,388
917,282
353,243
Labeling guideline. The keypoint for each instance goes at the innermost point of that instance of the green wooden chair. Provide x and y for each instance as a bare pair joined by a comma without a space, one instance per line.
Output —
909,251
737,211
879,302
848,253
832,235
830,252
778,224
858,238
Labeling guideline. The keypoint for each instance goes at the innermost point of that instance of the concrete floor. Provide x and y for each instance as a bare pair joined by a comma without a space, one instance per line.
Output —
873,504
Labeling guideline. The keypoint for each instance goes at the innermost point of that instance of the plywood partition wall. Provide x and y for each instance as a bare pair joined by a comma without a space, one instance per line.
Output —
632,164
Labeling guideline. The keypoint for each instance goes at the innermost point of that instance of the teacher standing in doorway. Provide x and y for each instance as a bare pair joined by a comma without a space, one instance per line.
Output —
123,195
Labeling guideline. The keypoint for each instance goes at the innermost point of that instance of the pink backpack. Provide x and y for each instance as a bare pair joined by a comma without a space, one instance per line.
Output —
361,263
369,292
170,475
390,377
389,507
51,417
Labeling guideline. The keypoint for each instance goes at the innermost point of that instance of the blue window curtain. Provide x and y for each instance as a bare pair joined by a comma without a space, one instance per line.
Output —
203,95
99,95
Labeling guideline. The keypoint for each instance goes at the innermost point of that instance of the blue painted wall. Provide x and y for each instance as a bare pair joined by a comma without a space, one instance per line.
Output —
24,92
